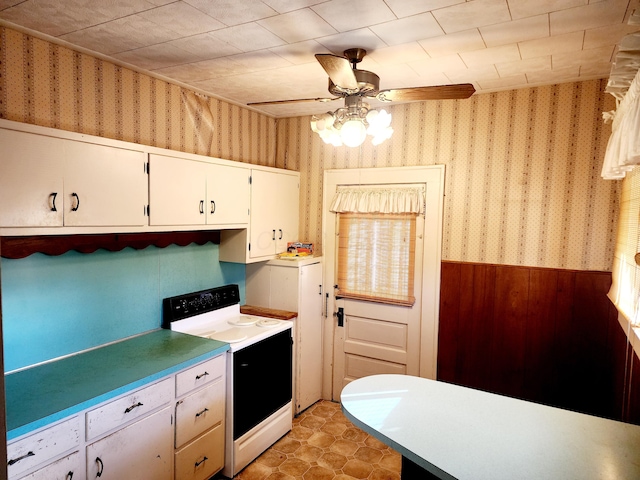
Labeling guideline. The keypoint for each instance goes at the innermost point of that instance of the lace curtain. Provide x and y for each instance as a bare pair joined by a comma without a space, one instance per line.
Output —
623,149
379,199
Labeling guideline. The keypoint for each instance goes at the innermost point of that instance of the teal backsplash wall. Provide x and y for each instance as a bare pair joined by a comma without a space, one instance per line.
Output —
55,306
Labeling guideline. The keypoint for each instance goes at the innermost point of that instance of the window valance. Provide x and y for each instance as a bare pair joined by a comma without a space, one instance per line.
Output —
379,199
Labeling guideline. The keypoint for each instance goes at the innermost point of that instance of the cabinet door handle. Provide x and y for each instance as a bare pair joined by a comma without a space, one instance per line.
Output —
213,207
274,235
69,476
198,377
77,202
100,465
202,412
53,201
201,461
133,406
16,460
201,207
280,230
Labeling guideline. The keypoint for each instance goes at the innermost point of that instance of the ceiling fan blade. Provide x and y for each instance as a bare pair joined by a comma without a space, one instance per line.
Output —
296,100
439,92
339,70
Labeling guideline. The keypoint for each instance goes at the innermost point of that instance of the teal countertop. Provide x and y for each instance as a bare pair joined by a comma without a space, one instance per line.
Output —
459,433
41,395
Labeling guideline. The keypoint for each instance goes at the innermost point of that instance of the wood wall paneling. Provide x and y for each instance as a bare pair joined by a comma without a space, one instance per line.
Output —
540,334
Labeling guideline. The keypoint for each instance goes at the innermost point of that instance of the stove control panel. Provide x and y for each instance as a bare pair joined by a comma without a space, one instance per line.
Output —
190,304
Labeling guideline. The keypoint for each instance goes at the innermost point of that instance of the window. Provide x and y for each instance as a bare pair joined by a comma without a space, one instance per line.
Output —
376,255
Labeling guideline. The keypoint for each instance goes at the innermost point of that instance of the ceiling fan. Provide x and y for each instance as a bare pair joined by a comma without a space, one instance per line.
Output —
350,124
345,81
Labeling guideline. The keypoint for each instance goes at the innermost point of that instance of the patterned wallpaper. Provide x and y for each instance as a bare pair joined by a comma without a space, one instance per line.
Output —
522,174
50,85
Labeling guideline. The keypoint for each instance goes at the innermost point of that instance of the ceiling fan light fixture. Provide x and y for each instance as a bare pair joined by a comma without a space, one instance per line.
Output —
353,132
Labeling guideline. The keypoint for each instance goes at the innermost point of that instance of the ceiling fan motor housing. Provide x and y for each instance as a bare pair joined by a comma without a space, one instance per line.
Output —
368,85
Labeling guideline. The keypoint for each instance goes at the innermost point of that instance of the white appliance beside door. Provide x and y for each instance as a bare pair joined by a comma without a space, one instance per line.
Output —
295,286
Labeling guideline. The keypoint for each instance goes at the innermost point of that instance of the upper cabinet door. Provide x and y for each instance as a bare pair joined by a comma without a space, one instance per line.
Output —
176,191
228,195
274,212
104,186
31,179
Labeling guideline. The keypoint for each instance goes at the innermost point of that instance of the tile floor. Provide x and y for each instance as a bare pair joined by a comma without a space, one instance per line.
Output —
324,445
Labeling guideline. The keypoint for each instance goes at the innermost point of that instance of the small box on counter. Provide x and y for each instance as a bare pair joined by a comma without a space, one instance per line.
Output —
298,249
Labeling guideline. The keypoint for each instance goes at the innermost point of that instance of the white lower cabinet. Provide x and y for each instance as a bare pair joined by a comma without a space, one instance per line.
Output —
170,429
142,451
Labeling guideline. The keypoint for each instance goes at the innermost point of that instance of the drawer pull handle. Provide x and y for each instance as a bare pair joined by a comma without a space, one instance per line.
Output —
202,412
201,461
16,460
198,377
69,476
201,207
213,207
133,406
101,465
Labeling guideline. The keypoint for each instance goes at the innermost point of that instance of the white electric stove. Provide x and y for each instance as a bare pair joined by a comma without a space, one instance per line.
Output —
259,365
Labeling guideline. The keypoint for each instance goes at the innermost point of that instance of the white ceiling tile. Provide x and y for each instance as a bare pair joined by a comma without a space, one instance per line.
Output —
503,82
607,35
570,42
593,55
126,33
451,43
346,15
362,38
284,6
588,16
405,8
408,52
440,64
516,31
259,60
298,26
559,75
154,56
249,36
470,75
529,8
508,69
204,47
490,56
596,70
301,52
233,12
181,17
200,71
473,14
408,29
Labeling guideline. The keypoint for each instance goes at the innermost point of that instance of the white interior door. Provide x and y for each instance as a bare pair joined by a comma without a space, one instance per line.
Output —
379,338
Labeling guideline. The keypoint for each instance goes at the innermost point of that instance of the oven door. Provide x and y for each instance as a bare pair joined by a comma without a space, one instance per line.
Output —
262,381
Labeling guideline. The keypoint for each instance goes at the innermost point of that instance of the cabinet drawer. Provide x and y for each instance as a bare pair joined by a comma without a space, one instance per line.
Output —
127,408
201,374
67,468
201,458
42,446
199,412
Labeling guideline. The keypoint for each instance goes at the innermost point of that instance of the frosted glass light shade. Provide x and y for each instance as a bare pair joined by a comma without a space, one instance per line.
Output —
353,133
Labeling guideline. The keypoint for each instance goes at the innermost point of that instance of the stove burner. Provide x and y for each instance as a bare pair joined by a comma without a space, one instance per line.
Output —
233,335
268,323
243,320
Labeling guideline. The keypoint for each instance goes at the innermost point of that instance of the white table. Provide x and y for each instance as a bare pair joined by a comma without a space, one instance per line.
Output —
455,432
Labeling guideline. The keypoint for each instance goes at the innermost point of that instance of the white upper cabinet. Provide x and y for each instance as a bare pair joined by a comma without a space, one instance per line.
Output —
274,212
54,182
187,192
